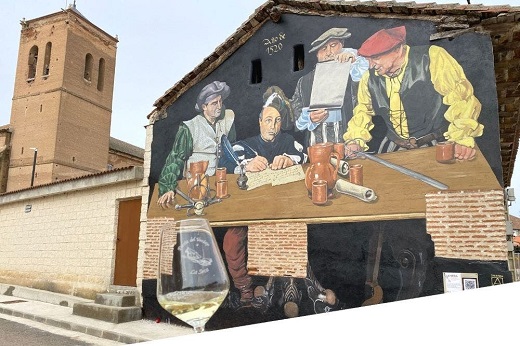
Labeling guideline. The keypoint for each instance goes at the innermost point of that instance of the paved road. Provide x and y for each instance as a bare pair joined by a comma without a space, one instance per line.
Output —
18,331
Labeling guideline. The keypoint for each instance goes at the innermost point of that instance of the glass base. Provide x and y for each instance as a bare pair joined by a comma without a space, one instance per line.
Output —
198,324
198,329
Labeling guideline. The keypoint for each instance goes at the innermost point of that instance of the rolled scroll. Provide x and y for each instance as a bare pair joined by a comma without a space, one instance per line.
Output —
361,192
343,166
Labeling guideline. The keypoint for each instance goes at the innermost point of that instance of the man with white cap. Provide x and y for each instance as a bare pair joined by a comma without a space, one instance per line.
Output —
420,92
271,148
327,47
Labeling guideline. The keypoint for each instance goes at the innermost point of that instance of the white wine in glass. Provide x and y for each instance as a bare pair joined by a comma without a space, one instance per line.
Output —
192,280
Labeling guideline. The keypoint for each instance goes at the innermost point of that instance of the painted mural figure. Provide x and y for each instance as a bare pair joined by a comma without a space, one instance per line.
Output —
198,139
327,47
422,94
271,148
276,150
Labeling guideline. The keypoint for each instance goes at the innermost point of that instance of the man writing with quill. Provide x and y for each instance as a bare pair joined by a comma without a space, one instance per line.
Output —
275,150
269,149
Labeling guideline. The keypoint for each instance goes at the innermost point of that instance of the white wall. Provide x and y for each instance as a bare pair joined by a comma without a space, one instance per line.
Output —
66,243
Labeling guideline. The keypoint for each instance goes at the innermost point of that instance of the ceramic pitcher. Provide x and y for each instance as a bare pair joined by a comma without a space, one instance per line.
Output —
321,168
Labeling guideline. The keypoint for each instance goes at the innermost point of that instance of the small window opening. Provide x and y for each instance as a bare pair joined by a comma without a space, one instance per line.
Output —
22,150
299,58
73,158
87,74
47,59
256,71
41,108
33,60
101,75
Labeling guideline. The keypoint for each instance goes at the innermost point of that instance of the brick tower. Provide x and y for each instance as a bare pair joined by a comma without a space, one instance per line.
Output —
62,100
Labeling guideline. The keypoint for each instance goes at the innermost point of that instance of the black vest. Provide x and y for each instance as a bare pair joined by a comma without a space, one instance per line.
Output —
422,104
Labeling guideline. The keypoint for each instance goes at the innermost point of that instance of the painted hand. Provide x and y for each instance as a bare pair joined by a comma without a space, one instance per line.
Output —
344,57
463,153
257,164
351,148
281,162
166,200
318,116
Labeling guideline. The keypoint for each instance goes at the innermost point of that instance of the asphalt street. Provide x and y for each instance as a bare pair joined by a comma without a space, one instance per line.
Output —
20,331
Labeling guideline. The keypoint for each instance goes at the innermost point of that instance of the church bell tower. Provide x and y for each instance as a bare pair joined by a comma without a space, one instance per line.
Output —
62,100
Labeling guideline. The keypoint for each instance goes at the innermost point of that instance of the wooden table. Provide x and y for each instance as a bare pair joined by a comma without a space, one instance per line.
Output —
398,196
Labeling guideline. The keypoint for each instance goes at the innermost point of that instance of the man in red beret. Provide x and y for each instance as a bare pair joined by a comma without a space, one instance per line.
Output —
421,93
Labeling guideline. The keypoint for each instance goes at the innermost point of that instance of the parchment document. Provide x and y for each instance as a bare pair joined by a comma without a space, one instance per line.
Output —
275,177
329,85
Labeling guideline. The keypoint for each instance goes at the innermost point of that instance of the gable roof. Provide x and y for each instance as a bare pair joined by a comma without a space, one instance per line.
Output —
449,19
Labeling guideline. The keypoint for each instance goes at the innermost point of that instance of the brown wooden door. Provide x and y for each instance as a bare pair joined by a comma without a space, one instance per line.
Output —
127,242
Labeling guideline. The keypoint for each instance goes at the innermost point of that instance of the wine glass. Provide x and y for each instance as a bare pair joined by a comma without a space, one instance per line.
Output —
192,280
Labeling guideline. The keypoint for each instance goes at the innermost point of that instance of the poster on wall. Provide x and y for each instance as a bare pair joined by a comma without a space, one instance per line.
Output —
455,282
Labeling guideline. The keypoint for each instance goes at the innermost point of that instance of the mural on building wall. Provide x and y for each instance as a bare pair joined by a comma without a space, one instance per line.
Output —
370,118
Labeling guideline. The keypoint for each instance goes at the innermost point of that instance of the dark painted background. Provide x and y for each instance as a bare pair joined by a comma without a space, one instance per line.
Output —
473,51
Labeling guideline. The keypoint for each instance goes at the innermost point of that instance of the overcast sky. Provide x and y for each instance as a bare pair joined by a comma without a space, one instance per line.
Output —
160,41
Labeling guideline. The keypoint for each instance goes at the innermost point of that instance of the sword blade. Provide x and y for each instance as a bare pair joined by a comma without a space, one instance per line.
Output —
405,171
185,196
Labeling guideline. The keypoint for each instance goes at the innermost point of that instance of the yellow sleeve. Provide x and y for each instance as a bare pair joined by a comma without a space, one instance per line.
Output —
464,108
361,123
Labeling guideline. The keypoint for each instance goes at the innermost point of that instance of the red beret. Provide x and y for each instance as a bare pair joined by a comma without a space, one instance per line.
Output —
383,41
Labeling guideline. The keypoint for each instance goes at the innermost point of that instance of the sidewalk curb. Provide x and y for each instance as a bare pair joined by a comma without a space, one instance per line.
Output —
56,310
41,295
77,327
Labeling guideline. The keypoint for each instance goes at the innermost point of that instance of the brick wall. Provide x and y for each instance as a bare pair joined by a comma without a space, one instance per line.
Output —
149,235
66,243
278,249
69,116
462,224
151,247
467,224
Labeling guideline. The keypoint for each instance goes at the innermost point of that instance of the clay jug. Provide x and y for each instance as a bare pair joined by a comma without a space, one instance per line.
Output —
198,181
321,168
